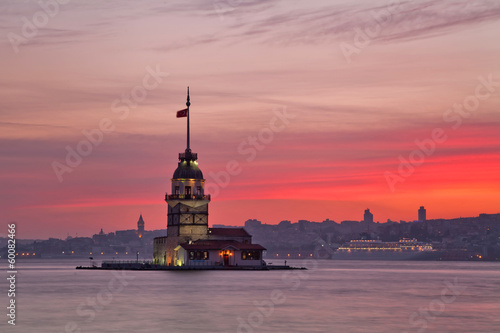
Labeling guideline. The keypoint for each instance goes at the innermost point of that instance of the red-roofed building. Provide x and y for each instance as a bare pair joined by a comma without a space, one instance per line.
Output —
219,253
237,234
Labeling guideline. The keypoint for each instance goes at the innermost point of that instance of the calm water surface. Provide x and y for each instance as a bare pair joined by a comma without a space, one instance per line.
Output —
332,296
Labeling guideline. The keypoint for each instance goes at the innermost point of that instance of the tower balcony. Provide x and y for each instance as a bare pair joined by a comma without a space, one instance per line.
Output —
188,156
187,197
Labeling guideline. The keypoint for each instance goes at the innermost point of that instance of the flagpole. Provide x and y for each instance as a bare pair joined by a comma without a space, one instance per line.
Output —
188,103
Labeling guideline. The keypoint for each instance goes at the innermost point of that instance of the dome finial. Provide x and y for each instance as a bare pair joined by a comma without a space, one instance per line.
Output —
188,103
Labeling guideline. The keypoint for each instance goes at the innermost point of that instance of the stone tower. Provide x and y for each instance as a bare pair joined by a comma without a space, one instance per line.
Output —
187,218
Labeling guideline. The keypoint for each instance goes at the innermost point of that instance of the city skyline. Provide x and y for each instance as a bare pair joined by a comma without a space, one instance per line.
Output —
371,105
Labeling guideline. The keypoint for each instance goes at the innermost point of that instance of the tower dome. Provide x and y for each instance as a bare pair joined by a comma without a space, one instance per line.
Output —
187,167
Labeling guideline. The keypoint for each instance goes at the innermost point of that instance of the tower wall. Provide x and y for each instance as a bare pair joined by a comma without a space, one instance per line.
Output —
187,221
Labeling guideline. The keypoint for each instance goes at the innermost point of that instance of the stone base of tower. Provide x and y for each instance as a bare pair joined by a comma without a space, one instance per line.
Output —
164,252
174,249
173,242
160,251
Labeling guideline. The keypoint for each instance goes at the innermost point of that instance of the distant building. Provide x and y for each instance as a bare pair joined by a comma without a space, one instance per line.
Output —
422,214
368,217
285,224
252,223
99,238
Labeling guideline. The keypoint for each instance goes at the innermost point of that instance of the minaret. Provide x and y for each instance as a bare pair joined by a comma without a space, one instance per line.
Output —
187,203
140,226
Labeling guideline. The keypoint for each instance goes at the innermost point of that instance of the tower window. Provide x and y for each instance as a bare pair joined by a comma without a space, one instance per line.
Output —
198,189
177,190
188,190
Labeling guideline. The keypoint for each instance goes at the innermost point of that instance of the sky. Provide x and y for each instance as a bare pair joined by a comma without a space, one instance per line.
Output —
300,110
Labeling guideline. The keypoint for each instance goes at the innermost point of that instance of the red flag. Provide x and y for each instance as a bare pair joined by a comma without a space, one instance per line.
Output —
182,113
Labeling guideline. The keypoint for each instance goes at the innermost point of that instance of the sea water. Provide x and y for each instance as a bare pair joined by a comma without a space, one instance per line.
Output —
331,296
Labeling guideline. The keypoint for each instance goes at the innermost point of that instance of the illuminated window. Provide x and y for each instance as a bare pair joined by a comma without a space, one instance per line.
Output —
187,190
198,255
250,255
